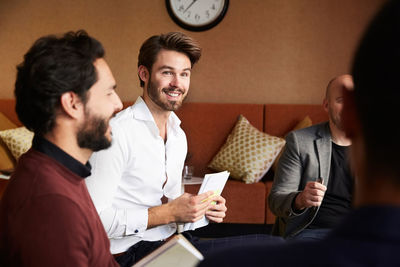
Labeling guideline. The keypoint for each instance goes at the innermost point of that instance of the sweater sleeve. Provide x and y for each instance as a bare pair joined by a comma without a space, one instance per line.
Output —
65,238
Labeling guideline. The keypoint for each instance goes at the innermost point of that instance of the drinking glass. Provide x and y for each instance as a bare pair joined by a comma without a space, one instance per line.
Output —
188,172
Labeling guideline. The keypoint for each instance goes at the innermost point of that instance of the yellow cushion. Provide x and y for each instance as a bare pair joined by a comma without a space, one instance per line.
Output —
18,140
7,161
247,153
304,123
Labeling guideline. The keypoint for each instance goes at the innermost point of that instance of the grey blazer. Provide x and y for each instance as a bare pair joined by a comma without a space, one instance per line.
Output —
306,157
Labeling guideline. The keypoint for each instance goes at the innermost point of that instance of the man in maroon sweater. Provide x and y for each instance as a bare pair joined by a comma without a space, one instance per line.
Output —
65,94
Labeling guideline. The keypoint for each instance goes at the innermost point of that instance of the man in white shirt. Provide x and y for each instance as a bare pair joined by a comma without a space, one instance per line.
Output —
144,164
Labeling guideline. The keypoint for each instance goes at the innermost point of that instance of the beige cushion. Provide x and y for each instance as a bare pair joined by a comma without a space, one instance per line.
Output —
247,153
18,140
304,123
7,161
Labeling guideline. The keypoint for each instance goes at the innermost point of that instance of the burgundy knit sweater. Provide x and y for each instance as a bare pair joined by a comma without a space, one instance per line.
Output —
47,218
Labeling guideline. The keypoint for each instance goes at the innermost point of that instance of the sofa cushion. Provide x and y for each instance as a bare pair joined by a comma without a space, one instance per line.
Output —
7,161
18,140
247,153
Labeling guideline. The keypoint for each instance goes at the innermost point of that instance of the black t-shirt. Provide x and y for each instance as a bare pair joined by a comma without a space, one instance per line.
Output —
337,201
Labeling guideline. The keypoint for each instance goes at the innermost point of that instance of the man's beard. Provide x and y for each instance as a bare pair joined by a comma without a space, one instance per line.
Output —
337,120
92,134
155,96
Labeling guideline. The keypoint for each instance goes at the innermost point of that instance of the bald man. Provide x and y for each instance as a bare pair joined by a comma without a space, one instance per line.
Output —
313,185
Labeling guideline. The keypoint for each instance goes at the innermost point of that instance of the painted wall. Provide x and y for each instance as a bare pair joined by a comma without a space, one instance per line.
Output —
264,51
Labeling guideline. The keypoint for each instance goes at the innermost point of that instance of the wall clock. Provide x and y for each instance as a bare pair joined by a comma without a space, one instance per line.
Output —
197,15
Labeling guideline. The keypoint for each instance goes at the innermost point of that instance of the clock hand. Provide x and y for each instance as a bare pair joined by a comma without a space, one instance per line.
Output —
189,5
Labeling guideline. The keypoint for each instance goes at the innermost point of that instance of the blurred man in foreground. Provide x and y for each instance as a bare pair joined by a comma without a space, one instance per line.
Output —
370,235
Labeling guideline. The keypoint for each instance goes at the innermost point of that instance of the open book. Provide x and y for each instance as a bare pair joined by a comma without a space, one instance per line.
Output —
212,182
176,252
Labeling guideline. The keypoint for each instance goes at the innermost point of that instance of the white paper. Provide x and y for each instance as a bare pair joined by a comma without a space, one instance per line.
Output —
4,176
212,182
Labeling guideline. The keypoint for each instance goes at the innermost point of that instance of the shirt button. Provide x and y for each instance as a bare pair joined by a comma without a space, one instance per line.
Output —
136,231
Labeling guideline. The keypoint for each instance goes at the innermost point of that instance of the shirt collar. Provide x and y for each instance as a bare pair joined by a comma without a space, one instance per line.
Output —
142,112
46,147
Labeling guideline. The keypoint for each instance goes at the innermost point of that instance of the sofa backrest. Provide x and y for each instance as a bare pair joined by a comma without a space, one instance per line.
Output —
279,119
7,107
207,125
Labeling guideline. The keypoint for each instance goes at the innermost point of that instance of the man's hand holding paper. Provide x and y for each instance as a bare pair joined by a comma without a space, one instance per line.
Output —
216,212
213,185
190,208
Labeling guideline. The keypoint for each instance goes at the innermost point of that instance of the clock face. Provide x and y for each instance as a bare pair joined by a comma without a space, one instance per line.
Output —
197,15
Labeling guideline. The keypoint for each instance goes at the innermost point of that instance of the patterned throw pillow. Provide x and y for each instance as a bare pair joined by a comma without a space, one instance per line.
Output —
18,140
247,153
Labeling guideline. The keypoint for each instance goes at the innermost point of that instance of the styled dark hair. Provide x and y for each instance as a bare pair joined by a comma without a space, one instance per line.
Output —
175,41
376,72
51,67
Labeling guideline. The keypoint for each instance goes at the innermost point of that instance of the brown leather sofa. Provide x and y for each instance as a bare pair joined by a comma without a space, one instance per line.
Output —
207,126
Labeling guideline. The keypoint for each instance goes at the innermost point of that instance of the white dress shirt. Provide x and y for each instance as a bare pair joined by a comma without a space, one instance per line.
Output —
127,179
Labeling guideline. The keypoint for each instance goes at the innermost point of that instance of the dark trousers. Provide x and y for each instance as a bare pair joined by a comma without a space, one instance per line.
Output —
311,235
143,248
